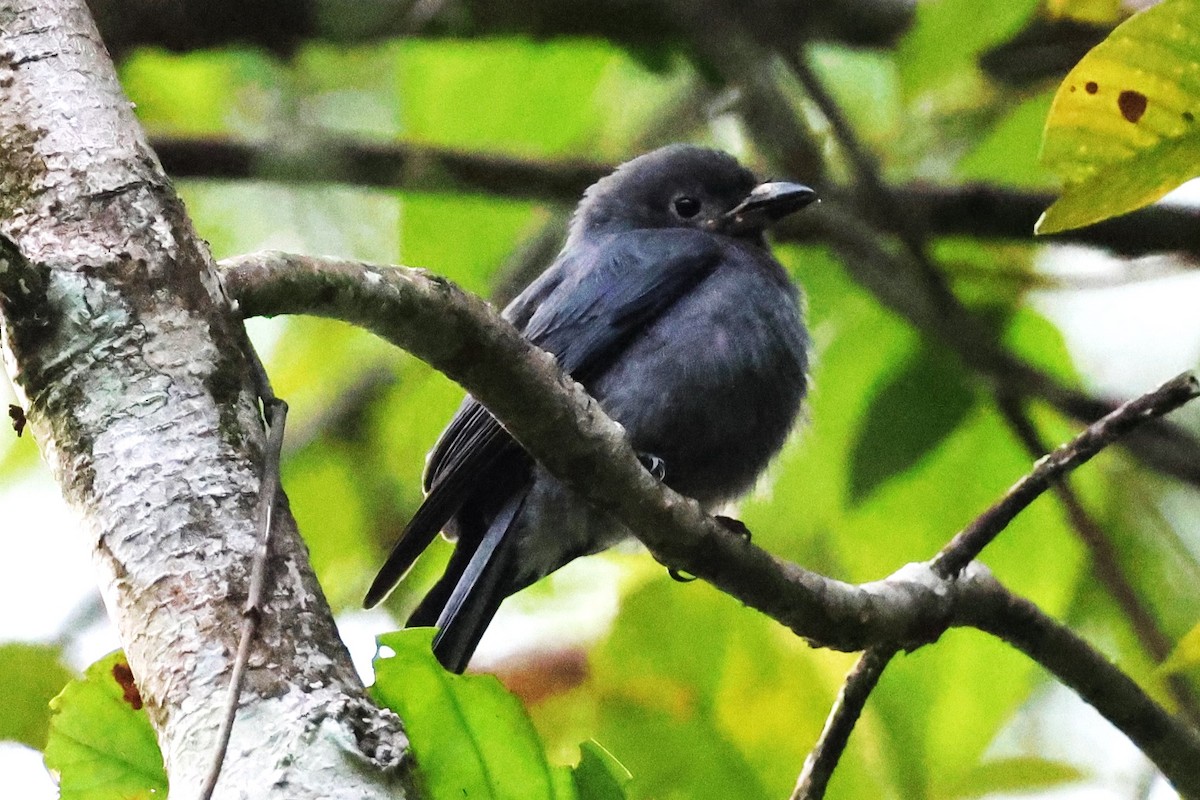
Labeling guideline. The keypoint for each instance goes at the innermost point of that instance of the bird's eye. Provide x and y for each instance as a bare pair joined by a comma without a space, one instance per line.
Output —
687,207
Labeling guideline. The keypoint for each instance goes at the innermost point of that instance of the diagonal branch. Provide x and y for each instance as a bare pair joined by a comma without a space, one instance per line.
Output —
1107,565
968,544
843,716
1091,675
564,429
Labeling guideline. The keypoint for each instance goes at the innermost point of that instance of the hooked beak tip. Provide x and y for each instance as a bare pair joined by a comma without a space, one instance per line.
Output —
768,203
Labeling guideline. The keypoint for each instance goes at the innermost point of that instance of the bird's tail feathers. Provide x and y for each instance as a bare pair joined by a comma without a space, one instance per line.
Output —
478,592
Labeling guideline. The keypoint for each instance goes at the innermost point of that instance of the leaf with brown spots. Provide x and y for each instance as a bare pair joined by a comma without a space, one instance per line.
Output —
100,745
129,689
1132,105
1121,132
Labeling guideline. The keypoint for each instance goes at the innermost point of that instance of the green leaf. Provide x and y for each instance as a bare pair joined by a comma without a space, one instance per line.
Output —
470,737
203,92
705,699
101,744
919,405
516,80
1186,653
948,35
599,775
1097,12
1122,129
866,84
1017,774
34,674
1007,154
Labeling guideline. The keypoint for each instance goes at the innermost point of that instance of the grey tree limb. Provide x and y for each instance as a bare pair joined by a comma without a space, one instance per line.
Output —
562,427
119,338
1107,565
821,762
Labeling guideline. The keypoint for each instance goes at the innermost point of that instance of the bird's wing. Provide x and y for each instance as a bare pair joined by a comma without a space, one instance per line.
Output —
590,317
469,447
586,317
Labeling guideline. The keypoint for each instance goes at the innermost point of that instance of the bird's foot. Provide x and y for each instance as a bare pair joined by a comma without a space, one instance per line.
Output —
682,577
654,465
734,526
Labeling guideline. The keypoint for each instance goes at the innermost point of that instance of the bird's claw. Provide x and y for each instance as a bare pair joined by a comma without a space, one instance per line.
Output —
734,526
654,465
681,577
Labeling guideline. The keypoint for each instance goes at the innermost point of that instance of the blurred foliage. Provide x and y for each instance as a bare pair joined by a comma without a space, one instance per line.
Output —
1122,131
697,696
35,674
1097,11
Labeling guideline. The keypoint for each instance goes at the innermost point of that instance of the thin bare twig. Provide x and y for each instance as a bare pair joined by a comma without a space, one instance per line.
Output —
847,708
275,415
866,166
1107,565
970,541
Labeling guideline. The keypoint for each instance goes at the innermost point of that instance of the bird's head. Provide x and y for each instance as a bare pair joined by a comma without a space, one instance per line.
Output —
683,186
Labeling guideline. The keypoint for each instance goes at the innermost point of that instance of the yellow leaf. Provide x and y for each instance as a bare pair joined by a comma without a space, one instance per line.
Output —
1122,130
1097,12
1186,653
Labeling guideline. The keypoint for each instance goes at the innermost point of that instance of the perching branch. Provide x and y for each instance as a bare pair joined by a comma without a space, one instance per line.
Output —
565,430
464,338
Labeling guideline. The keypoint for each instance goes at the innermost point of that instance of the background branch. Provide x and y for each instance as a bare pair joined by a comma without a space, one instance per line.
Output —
282,25
979,210
897,282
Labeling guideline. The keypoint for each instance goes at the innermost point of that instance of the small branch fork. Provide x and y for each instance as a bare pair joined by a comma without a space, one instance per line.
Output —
965,547
1049,470
274,412
564,429
1106,564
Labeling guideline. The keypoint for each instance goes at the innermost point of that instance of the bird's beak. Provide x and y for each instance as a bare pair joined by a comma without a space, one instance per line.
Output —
766,204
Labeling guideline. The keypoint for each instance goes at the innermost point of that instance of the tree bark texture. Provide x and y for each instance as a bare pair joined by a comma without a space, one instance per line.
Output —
121,342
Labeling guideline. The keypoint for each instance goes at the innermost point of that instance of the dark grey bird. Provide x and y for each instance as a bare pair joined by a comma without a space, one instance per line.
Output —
667,305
